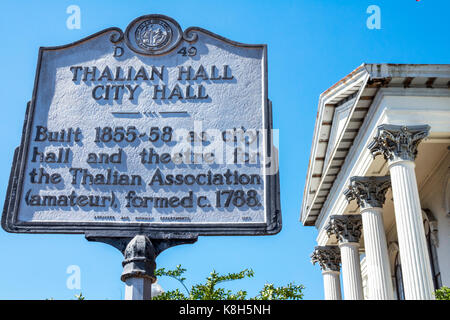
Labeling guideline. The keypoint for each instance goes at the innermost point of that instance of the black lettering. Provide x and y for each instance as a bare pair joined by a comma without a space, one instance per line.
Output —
75,70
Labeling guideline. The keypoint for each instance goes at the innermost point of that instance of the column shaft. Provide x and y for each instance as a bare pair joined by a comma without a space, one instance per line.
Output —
377,256
351,271
416,268
332,285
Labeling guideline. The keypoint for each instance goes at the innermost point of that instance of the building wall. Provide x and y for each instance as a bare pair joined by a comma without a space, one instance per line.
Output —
435,196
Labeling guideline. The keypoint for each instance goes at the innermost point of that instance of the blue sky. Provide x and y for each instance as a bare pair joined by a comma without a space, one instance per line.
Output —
311,45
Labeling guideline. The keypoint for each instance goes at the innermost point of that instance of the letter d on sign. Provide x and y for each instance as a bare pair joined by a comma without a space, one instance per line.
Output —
74,280
118,52
74,20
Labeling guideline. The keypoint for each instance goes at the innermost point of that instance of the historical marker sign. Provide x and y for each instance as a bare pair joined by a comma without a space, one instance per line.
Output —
148,130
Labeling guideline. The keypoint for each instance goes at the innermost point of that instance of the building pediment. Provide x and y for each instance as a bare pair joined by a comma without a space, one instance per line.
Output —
341,113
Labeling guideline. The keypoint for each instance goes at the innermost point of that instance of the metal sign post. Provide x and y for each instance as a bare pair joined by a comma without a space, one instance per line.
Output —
139,262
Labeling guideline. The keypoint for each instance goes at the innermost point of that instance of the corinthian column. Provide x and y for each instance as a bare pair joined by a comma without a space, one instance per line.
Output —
398,145
370,192
329,258
348,231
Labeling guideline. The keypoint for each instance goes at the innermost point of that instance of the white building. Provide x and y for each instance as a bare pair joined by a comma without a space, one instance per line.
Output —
378,183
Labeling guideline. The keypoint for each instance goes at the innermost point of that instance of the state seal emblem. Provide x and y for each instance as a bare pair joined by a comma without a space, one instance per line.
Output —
153,34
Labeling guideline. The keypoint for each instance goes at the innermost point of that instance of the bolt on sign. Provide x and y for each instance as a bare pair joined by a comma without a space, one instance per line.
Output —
151,130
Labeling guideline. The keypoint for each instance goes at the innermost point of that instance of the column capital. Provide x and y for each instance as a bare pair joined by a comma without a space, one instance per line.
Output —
398,142
368,191
347,228
328,257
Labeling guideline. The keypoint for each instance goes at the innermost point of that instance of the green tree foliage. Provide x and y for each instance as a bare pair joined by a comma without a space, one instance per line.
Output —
80,296
209,290
77,296
442,293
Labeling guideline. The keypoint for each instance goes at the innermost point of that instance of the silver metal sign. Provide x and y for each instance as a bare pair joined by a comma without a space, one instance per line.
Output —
151,130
